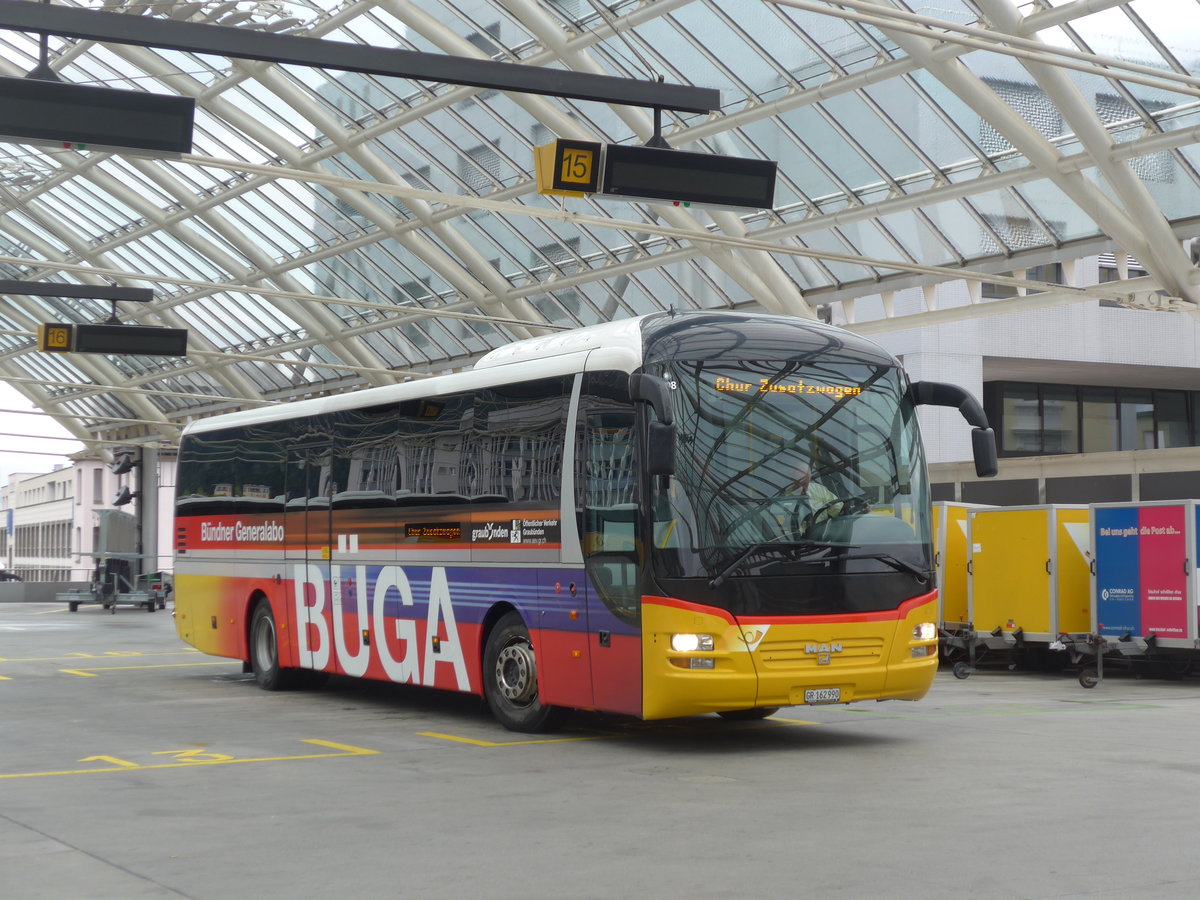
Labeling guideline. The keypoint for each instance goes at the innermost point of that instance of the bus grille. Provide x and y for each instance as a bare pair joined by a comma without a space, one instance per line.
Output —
797,654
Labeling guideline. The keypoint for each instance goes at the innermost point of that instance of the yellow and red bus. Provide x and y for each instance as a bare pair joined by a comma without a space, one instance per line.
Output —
600,519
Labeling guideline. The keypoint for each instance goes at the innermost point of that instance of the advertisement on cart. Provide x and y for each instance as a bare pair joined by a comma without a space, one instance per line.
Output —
1163,571
1118,553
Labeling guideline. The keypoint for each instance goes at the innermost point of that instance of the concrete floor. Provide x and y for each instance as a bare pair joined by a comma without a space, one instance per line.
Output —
134,767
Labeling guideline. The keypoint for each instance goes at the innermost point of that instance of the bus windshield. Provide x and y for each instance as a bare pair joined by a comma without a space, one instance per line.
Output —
789,470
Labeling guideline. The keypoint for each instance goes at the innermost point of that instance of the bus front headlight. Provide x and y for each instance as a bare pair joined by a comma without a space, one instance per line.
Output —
926,631
688,643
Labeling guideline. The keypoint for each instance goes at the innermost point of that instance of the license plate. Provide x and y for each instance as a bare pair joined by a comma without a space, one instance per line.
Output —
823,695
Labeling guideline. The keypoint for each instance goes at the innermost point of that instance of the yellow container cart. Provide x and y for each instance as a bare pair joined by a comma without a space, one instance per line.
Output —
950,569
1029,580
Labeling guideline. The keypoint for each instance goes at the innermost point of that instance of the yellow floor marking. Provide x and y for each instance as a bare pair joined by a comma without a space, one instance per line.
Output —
347,749
108,654
478,743
90,673
5,678
193,755
121,765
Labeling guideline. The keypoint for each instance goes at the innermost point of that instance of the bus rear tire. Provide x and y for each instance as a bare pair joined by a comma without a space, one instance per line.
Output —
264,656
748,715
510,683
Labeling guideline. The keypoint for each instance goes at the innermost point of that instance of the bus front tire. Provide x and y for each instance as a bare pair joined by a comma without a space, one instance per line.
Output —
264,656
510,681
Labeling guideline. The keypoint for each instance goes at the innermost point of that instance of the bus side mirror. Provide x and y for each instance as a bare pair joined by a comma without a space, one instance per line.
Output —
983,448
983,439
655,391
660,448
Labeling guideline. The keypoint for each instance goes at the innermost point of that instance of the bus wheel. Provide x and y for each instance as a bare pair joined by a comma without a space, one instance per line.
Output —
748,715
264,653
510,679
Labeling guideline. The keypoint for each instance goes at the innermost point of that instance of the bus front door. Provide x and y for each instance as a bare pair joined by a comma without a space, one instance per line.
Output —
308,552
610,547
613,607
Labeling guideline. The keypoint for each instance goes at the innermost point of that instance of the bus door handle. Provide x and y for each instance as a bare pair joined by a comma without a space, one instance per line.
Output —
605,638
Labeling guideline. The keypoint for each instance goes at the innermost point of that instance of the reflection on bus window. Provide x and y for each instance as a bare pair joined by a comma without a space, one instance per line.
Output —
607,484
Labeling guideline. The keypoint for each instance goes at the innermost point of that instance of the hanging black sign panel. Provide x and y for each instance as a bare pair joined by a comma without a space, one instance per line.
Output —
117,340
82,117
650,173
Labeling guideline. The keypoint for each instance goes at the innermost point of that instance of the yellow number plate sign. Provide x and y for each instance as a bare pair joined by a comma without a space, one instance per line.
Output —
568,168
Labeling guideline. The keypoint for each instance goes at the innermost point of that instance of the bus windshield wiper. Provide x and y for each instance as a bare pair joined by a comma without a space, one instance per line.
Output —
898,564
886,558
812,551
804,547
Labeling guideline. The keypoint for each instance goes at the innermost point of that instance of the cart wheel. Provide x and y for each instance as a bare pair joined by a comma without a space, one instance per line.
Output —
150,606
73,606
1089,678
962,670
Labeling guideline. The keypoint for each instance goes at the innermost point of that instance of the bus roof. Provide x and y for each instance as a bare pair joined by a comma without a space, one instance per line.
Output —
612,346
622,334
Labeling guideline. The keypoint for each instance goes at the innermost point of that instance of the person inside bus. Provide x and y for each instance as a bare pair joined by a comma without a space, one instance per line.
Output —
813,498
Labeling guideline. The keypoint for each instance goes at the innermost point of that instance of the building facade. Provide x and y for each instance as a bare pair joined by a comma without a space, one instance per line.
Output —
53,525
40,533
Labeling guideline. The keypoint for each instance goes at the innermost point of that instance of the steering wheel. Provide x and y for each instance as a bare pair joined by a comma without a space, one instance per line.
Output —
801,521
855,506
804,516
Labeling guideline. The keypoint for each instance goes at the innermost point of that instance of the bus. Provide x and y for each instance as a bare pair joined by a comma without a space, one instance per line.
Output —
603,519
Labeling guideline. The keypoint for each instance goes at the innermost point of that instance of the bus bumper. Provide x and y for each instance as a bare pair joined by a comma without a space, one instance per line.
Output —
790,661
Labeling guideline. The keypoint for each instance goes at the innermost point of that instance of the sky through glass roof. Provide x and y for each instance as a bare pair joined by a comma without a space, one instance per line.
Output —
334,230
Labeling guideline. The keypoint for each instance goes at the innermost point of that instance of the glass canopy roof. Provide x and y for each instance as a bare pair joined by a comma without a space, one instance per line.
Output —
333,230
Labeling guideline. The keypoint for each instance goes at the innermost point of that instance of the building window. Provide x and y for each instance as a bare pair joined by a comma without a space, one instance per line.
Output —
1098,408
1051,273
1137,419
1110,271
1060,419
1171,419
1047,419
1022,426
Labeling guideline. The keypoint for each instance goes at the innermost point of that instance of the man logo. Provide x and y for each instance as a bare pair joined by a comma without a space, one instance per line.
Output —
823,652
823,648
